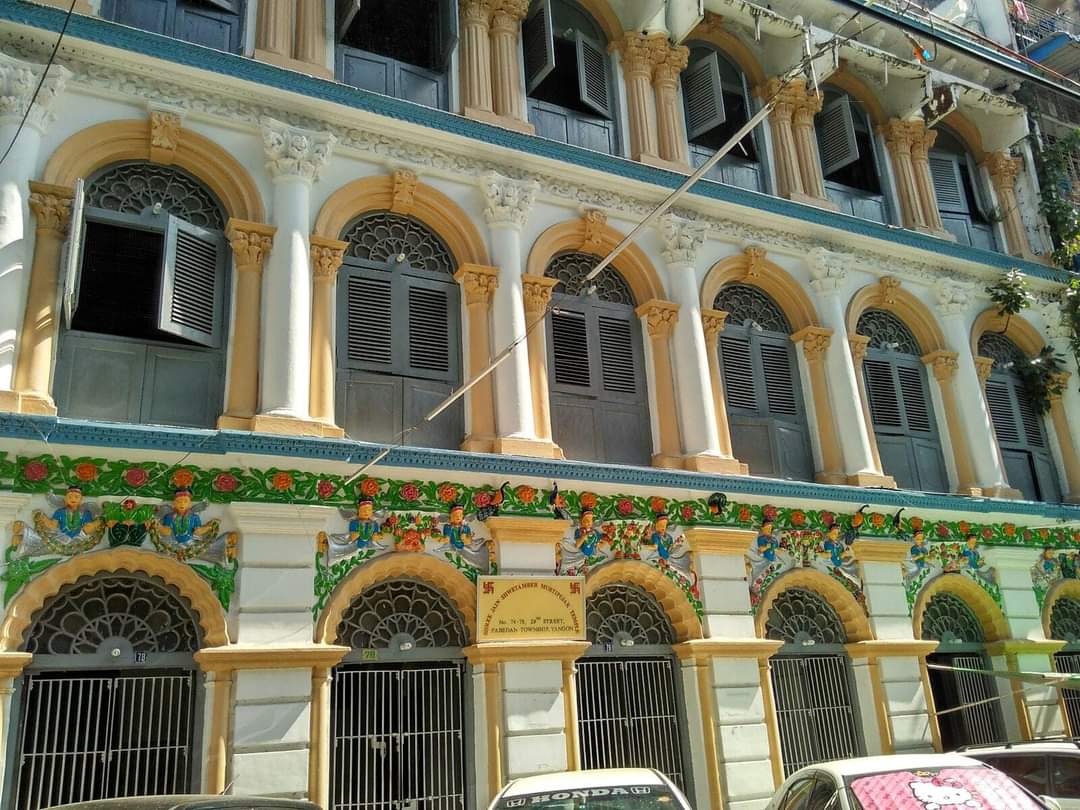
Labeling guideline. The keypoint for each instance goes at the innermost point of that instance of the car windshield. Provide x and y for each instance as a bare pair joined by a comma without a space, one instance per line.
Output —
974,787
616,797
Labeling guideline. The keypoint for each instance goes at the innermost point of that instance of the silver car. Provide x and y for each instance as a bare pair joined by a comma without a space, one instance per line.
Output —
191,803
599,789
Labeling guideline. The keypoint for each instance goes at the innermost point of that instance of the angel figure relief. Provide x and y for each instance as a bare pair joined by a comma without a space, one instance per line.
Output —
460,540
74,526
178,530
364,535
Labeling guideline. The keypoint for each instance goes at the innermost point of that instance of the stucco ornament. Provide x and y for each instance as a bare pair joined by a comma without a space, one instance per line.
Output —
954,297
507,201
682,238
295,152
1053,316
827,270
18,80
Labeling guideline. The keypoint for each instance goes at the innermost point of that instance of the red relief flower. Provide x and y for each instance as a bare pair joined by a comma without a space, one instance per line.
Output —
87,471
409,492
744,514
877,520
916,523
588,500
525,493
769,512
828,518
1009,529
657,504
624,507
964,527
128,504
392,521
183,477
369,487
1044,533
1027,534
136,476
447,493
987,533
225,482
942,530
481,498
281,481
412,540
798,518
35,471
686,513
324,489
1076,536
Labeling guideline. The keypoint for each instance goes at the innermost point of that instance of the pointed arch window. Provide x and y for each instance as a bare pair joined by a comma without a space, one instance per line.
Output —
599,400
764,396
1018,425
849,156
398,332
901,411
961,199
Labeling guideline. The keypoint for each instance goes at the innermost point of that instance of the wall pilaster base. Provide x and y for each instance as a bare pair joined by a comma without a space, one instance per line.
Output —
1003,492
658,162
667,462
504,121
969,489
705,462
229,422
939,234
830,478
27,402
872,480
291,426
817,202
310,68
478,444
532,448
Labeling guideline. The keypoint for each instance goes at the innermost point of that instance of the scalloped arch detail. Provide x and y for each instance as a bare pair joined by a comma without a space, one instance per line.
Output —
683,619
428,570
995,626
854,618
1064,589
768,277
1016,328
909,309
34,595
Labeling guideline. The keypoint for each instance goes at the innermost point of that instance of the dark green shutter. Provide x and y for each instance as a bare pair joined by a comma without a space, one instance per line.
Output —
429,329
593,81
617,355
738,371
369,315
835,127
570,349
948,187
538,44
779,379
916,405
703,96
193,283
882,390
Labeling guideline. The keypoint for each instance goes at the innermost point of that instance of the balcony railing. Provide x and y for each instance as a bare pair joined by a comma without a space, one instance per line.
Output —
1033,24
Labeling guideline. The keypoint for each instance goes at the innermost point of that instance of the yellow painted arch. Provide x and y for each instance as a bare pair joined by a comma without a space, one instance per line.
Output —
605,17
651,580
772,279
851,614
112,142
439,575
1016,329
993,622
1063,589
909,309
36,593
734,49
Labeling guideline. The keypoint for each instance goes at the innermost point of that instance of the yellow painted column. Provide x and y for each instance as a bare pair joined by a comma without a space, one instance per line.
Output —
858,344
573,749
713,321
310,44
251,242
659,317
640,52
51,206
11,666
922,139
944,366
814,341
319,769
537,291
476,57
788,175
1003,170
772,723
669,109
219,695
326,258
273,28
1069,457
478,283
898,137
809,105
508,94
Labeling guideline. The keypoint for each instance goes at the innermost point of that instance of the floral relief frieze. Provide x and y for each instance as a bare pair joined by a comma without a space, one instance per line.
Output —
926,561
1053,566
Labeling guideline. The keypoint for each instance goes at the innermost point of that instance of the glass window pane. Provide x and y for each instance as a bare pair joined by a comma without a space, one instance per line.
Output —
1029,771
1066,772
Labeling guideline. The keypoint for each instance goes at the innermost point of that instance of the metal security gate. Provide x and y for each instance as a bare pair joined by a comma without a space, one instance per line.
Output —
1070,662
967,703
814,709
628,715
100,735
398,737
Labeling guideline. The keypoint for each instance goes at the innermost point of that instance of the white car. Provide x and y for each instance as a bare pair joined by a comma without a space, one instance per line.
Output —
1045,767
904,782
601,789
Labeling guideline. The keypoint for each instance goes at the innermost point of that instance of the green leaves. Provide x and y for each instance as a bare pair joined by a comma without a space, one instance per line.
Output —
1011,293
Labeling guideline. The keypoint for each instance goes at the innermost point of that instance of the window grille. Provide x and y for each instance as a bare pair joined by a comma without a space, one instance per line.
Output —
401,610
948,618
887,332
131,188
749,305
1065,620
1005,354
383,236
572,268
798,615
620,612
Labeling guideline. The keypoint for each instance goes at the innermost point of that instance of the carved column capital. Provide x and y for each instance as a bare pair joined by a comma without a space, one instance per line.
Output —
537,292
475,12
713,322
326,257
508,201
641,52
922,140
815,342
51,206
478,282
954,297
858,345
165,131
670,64
18,81
508,14
594,221
943,364
250,242
899,135
660,317
983,367
1003,169
681,237
787,99
827,272
295,152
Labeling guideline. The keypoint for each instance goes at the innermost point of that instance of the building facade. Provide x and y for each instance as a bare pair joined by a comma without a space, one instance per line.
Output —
786,446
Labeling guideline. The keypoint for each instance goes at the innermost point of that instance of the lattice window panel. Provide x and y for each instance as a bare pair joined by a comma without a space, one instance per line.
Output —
1065,620
131,188
888,332
1007,356
383,237
745,304
948,617
571,269
617,612
390,611
797,615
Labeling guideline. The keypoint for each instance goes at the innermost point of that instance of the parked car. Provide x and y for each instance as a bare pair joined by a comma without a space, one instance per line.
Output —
600,789
1045,767
904,782
190,802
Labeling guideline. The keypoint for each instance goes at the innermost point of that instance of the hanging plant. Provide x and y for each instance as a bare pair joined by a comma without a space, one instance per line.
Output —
1042,378
1070,315
1011,294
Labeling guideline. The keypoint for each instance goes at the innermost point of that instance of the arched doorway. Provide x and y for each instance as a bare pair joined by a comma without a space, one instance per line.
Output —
110,705
1065,625
967,704
629,694
812,681
398,702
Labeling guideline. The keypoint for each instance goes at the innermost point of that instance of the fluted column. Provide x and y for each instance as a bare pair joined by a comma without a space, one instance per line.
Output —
1070,460
478,283
326,258
292,34
659,318
476,57
815,341
640,53
944,366
922,139
273,27
809,105
898,137
669,109
311,42
537,291
251,242
294,158
788,176
1004,169
712,323
508,91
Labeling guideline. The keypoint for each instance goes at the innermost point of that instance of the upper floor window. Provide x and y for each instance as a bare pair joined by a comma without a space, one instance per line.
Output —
900,407
1018,425
849,160
965,212
761,386
400,48
213,23
399,333
568,76
717,104
599,402
144,300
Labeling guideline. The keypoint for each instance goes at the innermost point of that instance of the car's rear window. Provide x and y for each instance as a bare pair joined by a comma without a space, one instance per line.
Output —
974,788
616,797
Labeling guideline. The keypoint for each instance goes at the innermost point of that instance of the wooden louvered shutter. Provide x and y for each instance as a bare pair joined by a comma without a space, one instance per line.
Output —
617,366
948,187
369,322
835,127
1030,418
703,96
430,340
192,283
882,392
593,87
1002,415
916,403
538,44
738,371
779,382
570,349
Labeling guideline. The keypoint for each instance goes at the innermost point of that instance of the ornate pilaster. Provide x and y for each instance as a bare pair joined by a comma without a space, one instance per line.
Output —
898,138
659,318
807,105
640,54
476,82
295,152
52,208
508,93
326,258
983,367
507,201
669,110
682,238
858,345
788,174
815,342
536,292
954,297
292,34
827,272
922,139
478,284
1004,169
18,81
944,366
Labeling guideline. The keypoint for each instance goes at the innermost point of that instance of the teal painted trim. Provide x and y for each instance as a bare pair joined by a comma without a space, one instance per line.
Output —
104,435
118,36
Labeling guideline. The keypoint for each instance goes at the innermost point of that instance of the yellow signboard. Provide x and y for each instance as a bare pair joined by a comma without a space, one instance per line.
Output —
530,609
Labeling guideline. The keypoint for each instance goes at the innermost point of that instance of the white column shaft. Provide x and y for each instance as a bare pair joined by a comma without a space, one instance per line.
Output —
513,394
697,413
16,230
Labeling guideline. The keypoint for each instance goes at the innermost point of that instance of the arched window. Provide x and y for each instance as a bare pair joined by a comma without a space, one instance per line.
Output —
406,659
629,700
1018,425
961,199
900,406
212,23
967,703
1065,626
110,703
761,385
812,681
849,158
599,402
399,333
568,76
717,103
400,48
144,299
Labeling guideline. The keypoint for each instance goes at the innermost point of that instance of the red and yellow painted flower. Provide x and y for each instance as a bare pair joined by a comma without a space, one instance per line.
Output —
369,487
447,493
183,477
86,471
281,481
